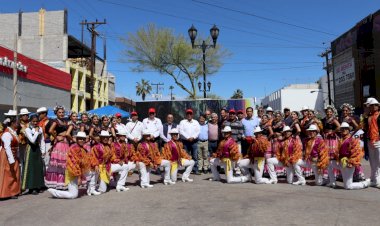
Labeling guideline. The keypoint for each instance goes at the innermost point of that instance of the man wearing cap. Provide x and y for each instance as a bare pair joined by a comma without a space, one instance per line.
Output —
227,153
287,117
10,180
189,130
43,123
316,157
372,129
349,156
148,158
256,158
153,124
240,115
166,127
249,125
77,165
287,155
119,125
24,123
174,152
134,129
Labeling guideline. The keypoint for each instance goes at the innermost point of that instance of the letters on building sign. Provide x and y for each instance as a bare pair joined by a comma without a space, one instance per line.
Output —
4,61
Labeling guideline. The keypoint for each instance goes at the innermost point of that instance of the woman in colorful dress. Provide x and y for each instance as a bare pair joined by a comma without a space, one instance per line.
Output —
174,152
85,126
73,127
10,186
33,175
349,156
330,128
277,127
95,130
55,173
77,166
227,153
295,126
347,116
305,122
149,158
113,128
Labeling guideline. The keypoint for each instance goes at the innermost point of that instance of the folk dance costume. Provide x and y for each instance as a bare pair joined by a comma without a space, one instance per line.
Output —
227,153
178,157
33,175
289,153
255,159
22,139
124,152
316,157
77,165
349,156
149,158
10,183
43,124
372,127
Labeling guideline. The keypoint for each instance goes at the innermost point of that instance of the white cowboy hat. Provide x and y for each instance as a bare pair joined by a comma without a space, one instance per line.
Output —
345,125
146,132
372,101
269,109
286,128
305,108
11,113
81,134
359,132
257,130
104,133
122,132
226,129
24,111
174,130
42,109
312,128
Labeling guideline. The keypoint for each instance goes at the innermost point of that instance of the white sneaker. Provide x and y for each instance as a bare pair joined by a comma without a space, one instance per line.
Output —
366,183
120,188
187,180
299,183
272,181
147,186
169,182
52,192
244,179
93,192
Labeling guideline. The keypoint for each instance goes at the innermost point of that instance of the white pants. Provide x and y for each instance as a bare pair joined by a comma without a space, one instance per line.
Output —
145,172
214,162
374,161
71,193
188,164
272,162
258,170
347,174
298,171
123,173
92,179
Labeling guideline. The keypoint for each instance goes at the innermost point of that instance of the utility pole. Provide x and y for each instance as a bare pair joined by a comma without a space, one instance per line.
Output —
171,92
91,26
326,55
157,85
15,74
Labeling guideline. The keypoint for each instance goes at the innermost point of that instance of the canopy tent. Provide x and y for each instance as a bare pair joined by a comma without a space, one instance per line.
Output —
109,110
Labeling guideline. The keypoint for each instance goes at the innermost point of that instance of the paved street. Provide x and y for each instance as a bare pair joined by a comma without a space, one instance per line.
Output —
201,203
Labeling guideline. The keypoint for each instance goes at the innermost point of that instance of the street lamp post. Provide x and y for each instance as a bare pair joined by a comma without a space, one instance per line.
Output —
214,32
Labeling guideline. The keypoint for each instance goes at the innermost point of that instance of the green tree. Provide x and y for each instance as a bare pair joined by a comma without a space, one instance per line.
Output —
151,48
238,94
143,88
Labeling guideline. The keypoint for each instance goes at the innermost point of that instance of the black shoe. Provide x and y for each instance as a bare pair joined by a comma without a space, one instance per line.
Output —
197,173
205,171
35,192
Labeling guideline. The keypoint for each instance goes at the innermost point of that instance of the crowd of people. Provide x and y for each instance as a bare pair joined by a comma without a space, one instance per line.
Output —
98,153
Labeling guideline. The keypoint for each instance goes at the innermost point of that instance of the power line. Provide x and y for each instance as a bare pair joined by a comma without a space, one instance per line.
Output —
265,18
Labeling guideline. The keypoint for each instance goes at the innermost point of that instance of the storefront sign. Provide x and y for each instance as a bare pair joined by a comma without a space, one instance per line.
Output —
344,72
5,62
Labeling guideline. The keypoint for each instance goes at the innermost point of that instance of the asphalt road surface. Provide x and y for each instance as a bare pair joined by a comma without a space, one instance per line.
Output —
201,203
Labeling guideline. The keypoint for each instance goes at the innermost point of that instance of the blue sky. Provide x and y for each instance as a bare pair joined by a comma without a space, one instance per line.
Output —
269,48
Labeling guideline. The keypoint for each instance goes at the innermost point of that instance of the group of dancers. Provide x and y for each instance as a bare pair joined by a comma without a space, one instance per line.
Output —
99,153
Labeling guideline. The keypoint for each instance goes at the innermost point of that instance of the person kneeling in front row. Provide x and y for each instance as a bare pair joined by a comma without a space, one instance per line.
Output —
227,152
173,151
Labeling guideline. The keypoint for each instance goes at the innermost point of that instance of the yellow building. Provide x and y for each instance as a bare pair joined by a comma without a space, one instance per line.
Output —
80,86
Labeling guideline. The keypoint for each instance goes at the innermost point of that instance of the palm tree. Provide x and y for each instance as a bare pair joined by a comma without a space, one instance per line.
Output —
143,88
238,94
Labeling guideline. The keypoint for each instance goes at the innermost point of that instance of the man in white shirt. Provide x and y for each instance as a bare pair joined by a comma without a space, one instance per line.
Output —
153,124
189,130
134,129
119,126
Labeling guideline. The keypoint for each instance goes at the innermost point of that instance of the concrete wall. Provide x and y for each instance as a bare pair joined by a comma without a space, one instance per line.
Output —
30,95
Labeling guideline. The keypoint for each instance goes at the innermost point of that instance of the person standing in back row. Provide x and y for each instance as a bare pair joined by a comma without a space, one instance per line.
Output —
153,124
203,153
249,124
189,130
